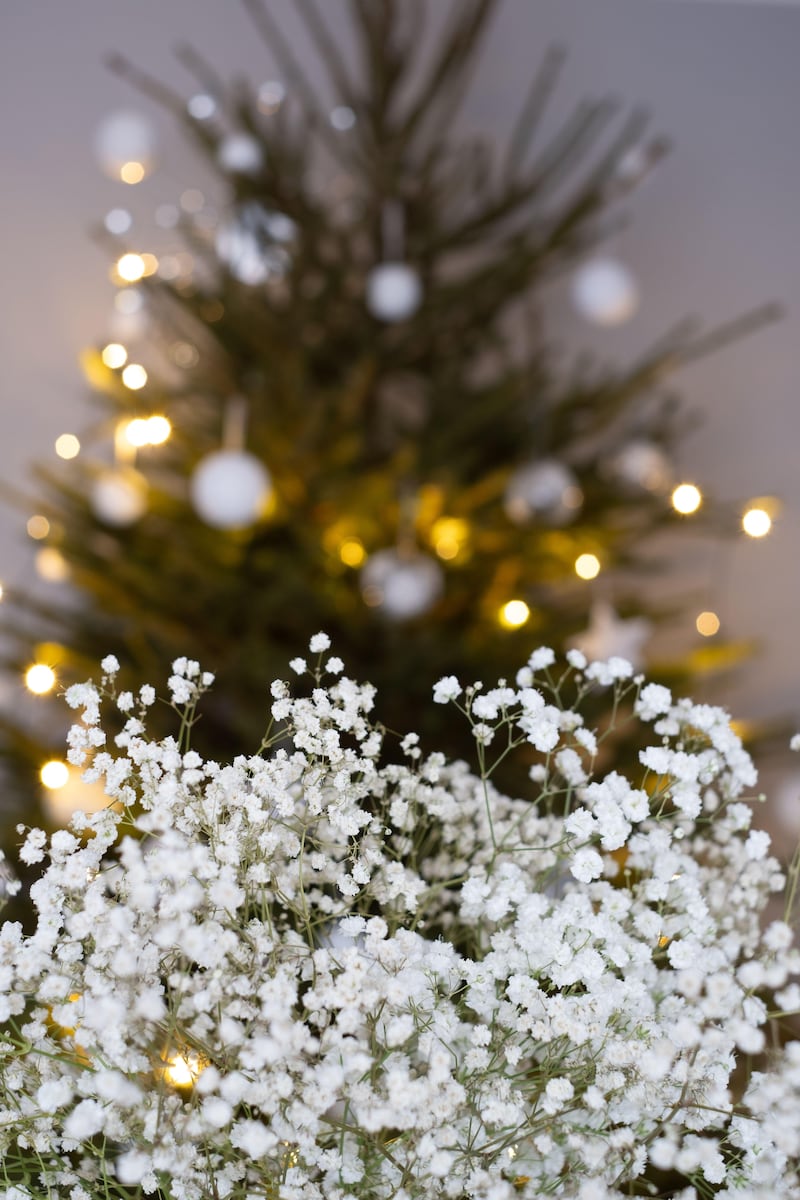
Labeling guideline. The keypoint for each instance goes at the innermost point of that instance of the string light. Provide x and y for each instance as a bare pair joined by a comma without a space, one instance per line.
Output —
67,445
707,624
587,566
131,267
513,614
182,1070
40,679
134,376
158,430
132,172
114,355
147,431
449,535
51,565
756,522
686,498
352,552
38,527
54,774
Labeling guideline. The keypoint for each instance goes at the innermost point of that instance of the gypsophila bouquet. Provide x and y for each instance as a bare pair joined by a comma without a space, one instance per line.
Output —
319,973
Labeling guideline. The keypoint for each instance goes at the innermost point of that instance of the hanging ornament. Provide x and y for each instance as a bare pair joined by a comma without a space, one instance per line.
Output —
240,154
545,490
605,292
641,466
402,584
230,488
122,140
607,636
119,496
394,289
250,244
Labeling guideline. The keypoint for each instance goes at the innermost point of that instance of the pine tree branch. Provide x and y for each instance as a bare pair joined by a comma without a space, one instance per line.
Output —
328,51
276,43
533,110
459,44
147,84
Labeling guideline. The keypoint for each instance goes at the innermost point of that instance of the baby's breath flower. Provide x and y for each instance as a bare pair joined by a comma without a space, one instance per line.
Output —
331,971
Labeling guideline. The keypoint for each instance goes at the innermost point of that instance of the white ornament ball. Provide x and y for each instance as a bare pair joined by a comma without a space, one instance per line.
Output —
245,244
401,585
546,490
123,137
240,154
394,291
229,488
605,292
642,466
119,496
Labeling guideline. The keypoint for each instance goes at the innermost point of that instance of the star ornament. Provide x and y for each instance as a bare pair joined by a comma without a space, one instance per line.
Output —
609,635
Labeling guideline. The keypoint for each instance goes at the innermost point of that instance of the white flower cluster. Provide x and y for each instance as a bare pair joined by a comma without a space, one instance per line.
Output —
320,974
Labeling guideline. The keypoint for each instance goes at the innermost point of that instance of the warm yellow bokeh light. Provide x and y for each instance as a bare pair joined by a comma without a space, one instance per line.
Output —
131,267
114,355
132,172
54,774
38,527
448,536
686,498
67,445
352,552
181,1070
513,614
136,432
150,264
158,430
51,565
756,522
707,624
587,566
40,679
134,376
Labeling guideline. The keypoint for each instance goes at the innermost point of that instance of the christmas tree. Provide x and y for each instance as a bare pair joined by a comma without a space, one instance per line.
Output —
348,414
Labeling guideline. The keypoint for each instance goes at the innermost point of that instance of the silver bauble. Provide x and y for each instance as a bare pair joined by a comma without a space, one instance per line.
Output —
394,291
119,496
641,466
122,137
605,292
229,488
401,585
240,154
544,490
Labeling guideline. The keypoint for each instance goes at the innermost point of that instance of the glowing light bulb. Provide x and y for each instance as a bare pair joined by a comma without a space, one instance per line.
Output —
132,172
40,679
707,624
448,536
587,566
38,527
54,774
756,522
158,429
181,1070
134,376
114,355
131,267
136,432
67,445
686,498
51,565
352,552
513,614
